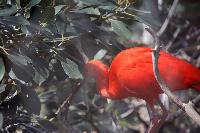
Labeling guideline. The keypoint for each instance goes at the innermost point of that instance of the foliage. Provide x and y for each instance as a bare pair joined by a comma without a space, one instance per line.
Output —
44,45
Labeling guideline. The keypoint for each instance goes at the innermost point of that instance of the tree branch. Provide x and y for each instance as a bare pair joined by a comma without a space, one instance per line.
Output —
64,107
179,112
187,108
167,20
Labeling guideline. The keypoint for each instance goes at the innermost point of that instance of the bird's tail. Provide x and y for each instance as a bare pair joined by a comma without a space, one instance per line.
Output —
196,86
193,79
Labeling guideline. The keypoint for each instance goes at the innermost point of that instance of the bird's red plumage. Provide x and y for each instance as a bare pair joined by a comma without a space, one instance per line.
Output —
131,75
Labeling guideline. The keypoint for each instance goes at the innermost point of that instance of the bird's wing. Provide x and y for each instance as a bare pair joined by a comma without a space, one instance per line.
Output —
138,79
136,73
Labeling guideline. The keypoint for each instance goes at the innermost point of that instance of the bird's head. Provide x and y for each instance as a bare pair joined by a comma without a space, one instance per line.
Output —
96,72
94,69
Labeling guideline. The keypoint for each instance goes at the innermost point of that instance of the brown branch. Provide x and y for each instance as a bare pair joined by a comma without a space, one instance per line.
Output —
187,108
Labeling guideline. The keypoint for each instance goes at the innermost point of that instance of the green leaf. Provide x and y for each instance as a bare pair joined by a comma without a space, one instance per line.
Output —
19,59
96,2
120,29
8,11
25,30
90,11
106,7
39,77
18,20
13,76
71,69
91,2
2,68
33,3
22,69
100,54
18,3
2,87
58,8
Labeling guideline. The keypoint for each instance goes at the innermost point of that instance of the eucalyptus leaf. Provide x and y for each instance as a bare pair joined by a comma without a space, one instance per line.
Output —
16,20
71,69
25,30
39,77
2,87
21,67
25,73
33,3
91,2
8,11
82,21
120,29
58,8
100,54
18,3
19,59
90,11
13,76
106,7
61,27
30,100
2,68
96,2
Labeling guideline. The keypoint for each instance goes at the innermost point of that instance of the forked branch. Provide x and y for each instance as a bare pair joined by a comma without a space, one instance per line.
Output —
187,108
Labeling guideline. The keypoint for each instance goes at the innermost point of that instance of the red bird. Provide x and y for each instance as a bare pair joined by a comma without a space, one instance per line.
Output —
131,75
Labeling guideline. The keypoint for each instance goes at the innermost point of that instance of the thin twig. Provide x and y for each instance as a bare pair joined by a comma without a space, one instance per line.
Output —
176,33
63,39
195,33
188,108
64,107
115,11
167,20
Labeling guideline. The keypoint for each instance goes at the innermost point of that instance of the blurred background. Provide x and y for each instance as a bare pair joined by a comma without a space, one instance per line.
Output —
44,45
